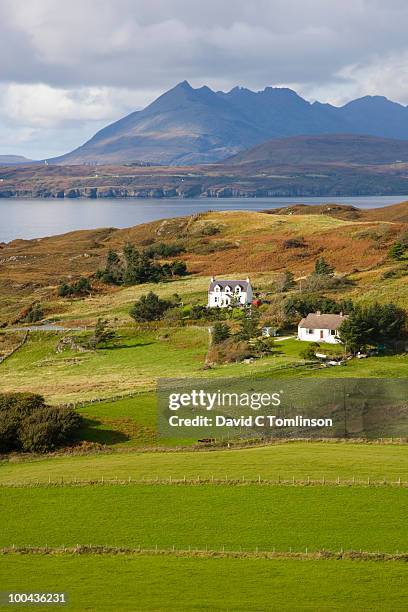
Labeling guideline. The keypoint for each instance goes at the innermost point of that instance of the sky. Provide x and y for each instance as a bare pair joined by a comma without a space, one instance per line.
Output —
69,68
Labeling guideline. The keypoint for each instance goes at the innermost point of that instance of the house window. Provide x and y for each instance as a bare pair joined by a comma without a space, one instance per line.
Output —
310,331
332,332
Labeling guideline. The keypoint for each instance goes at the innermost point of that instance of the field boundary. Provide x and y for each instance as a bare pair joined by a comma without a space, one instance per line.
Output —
367,482
16,348
90,549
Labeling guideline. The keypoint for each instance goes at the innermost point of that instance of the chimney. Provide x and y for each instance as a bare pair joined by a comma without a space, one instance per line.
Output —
318,313
212,279
247,279
341,313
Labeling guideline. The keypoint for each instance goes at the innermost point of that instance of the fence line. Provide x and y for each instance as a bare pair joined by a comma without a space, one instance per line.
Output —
199,480
193,551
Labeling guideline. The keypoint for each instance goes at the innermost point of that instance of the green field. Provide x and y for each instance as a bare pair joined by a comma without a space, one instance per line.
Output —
138,358
295,459
332,518
114,583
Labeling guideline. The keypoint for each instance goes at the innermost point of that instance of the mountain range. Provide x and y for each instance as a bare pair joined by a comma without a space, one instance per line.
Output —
190,126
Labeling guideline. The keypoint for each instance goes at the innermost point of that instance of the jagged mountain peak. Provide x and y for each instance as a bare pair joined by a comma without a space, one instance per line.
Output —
187,125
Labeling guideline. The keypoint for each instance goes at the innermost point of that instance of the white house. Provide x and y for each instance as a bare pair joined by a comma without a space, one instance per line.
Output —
222,293
318,327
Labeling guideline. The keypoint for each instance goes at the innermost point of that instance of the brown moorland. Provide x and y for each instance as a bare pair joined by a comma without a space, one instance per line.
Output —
214,242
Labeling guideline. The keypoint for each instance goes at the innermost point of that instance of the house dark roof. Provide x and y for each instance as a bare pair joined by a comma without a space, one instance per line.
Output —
244,284
315,320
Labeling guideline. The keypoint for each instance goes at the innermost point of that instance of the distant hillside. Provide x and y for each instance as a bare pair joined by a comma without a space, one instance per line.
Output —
13,160
191,126
325,149
395,213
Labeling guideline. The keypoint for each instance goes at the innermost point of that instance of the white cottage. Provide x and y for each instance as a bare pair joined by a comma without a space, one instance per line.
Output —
222,293
318,327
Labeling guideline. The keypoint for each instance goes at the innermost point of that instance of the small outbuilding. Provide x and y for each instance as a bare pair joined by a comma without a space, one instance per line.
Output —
320,327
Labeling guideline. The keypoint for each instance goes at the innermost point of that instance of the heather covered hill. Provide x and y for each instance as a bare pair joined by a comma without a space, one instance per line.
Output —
212,243
194,126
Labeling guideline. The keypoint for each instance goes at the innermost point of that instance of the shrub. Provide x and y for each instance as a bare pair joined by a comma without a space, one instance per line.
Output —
149,308
33,314
138,267
47,429
397,251
230,351
165,250
101,334
294,243
81,287
220,332
322,267
28,424
373,324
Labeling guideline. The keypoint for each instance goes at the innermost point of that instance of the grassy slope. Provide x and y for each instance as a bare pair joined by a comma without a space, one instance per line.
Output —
174,584
299,459
140,358
329,518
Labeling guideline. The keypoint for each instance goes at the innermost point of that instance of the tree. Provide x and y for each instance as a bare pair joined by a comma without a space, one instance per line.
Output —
149,308
397,251
303,305
249,325
35,313
285,282
178,268
139,268
373,324
220,332
322,267
113,272
101,334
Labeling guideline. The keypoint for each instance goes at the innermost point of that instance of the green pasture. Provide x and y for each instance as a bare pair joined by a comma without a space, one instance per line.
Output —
213,516
317,460
138,358
176,584
133,362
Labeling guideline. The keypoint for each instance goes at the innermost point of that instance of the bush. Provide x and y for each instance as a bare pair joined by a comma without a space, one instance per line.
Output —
304,304
149,308
28,424
397,251
373,324
294,243
164,250
230,351
220,332
139,267
81,287
33,314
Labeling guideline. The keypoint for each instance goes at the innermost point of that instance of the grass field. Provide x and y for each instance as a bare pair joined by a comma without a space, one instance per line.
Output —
298,459
213,516
174,584
139,358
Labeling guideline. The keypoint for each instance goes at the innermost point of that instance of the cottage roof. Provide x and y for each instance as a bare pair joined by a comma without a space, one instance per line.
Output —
244,284
316,320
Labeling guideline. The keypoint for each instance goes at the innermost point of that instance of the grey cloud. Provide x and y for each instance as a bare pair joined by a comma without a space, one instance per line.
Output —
154,44
333,51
